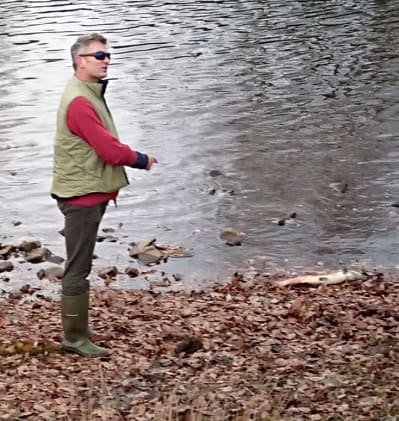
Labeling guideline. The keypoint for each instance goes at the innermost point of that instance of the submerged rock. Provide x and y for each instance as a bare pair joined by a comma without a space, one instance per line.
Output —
232,237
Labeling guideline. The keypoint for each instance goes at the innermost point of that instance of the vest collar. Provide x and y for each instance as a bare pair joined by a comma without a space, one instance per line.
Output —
98,88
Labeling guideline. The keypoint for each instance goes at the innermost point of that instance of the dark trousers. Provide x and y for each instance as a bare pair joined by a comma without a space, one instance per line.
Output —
80,230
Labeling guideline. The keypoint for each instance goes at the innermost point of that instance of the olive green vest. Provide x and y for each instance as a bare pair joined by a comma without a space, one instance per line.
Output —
77,168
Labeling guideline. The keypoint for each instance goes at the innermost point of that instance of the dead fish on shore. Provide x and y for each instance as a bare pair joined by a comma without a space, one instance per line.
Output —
322,279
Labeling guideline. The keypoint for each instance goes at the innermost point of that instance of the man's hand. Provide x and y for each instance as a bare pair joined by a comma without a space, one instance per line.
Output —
151,161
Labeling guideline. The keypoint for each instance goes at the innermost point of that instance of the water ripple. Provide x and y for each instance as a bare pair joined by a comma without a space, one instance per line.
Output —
288,99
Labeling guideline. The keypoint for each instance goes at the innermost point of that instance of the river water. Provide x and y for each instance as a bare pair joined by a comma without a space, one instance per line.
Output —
255,110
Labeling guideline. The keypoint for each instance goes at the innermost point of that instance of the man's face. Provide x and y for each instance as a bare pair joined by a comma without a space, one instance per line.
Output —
90,68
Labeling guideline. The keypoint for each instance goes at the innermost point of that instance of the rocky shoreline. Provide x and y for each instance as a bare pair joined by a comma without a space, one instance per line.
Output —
40,264
245,350
27,265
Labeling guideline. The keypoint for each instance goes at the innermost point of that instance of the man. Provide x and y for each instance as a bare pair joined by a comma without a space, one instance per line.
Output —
88,172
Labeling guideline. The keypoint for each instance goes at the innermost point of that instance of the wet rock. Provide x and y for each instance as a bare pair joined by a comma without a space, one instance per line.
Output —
160,283
38,255
6,266
27,289
109,238
215,173
6,250
108,272
232,237
146,251
106,230
177,277
289,220
55,259
28,245
52,273
132,272
344,188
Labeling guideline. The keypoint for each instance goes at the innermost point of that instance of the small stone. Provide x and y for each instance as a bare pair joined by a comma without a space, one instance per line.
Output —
55,259
108,230
6,266
111,239
38,255
29,245
132,272
16,223
27,289
52,273
108,272
177,277
6,250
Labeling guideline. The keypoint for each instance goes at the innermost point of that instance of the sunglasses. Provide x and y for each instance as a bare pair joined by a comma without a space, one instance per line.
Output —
99,55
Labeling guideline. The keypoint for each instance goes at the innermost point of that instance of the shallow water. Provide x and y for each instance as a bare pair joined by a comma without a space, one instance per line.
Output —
294,102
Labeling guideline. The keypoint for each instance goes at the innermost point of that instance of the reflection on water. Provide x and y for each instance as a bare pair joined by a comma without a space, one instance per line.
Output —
294,102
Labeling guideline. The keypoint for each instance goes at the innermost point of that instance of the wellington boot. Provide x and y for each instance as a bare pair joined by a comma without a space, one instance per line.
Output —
75,312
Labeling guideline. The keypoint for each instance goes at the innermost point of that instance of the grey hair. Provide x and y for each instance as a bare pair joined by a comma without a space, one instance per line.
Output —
83,42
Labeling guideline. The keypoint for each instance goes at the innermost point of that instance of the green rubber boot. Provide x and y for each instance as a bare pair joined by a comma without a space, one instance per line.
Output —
75,317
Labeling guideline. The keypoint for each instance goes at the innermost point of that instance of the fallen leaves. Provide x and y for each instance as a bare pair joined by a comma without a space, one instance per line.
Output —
240,351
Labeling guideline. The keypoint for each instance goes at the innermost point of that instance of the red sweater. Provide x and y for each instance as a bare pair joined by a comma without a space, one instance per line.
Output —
84,122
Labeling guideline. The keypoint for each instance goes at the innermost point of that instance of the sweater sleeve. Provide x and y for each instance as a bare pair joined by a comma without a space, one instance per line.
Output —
84,122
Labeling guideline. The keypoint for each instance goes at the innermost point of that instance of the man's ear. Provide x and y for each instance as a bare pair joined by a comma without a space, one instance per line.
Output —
78,61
